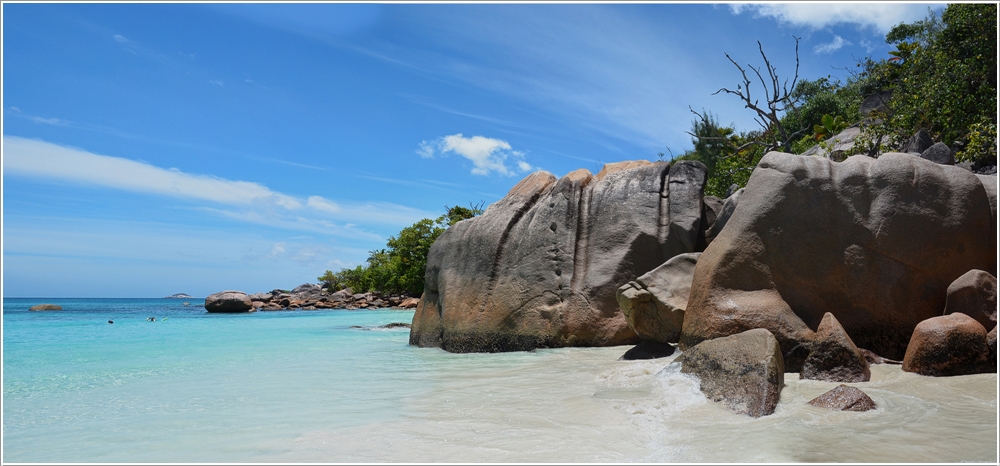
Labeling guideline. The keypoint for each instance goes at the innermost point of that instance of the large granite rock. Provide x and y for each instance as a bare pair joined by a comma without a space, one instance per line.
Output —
954,344
228,301
540,267
975,295
875,242
654,303
744,371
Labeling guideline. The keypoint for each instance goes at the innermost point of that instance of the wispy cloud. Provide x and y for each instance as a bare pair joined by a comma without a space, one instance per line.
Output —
833,46
487,155
258,203
217,82
879,16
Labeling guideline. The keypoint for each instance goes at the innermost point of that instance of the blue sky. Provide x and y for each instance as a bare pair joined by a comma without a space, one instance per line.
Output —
151,149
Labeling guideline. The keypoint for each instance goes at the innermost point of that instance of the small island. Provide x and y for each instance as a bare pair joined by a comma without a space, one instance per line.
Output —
179,296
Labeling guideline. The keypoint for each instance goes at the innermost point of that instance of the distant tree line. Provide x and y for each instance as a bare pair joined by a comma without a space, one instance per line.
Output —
941,76
399,267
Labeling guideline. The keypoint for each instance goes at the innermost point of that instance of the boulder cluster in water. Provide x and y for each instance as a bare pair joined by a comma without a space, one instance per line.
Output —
817,267
306,297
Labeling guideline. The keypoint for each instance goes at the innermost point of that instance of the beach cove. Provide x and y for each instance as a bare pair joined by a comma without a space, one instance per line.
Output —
333,386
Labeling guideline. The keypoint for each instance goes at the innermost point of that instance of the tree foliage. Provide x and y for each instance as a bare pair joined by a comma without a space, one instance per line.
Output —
399,267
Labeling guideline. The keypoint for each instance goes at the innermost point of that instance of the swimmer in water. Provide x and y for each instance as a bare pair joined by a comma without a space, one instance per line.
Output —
111,321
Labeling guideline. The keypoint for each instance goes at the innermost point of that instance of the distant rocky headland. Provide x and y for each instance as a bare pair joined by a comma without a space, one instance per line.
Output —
179,296
305,297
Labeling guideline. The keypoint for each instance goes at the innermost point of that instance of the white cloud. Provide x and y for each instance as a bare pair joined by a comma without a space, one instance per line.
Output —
259,203
487,154
278,249
833,46
879,16
123,40
15,109
217,82
426,150
47,121
325,205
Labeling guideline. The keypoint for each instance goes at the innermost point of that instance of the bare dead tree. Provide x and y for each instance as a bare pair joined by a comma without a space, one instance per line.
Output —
778,99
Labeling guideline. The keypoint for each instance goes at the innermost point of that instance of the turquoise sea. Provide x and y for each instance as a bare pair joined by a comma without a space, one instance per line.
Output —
332,386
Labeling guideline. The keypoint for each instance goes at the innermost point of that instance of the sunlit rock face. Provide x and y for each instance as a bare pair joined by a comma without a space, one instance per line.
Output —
540,267
875,242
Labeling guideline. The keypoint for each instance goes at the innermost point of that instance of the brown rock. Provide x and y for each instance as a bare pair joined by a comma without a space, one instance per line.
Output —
875,242
833,356
654,303
745,371
409,303
45,307
541,266
844,398
228,301
954,344
975,295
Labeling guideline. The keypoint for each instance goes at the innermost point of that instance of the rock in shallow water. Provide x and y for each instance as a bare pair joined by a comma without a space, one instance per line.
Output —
228,301
844,398
833,356
46,307
744,371
953,344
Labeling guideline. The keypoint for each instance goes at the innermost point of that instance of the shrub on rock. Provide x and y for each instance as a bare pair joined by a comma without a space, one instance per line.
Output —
954,344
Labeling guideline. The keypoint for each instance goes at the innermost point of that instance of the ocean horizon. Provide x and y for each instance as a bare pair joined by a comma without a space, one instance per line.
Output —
336,386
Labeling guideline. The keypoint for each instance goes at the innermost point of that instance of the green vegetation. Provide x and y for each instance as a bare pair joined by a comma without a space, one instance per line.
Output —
399,267
941,76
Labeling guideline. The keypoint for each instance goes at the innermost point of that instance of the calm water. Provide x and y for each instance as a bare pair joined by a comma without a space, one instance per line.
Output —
304,386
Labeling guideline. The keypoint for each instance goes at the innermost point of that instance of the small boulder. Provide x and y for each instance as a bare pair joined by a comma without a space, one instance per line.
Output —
975,295
410,303
844,398
654,303
917,143
45,307
833,356
228,301
262,297
939,153
745,371
953,344
648,350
